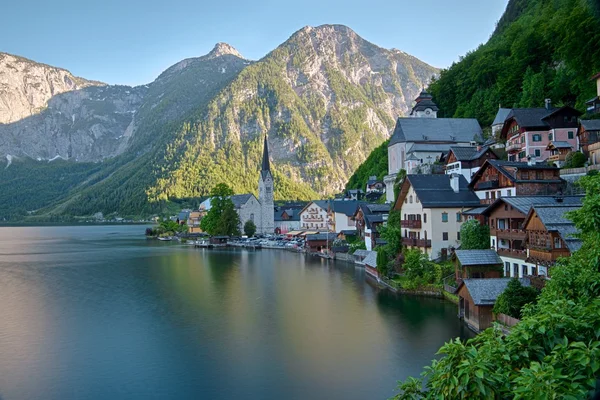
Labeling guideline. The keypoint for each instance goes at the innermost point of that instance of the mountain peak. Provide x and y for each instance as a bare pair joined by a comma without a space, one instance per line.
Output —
222,49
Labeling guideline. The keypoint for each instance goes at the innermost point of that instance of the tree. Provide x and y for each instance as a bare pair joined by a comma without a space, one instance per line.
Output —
514,298
575,159
474,236
221,219
249,228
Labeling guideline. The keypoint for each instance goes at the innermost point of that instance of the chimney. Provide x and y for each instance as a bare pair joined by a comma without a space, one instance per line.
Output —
548,104
454,183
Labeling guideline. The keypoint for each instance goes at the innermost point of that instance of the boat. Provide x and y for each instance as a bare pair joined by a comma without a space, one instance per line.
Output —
203,244
165,238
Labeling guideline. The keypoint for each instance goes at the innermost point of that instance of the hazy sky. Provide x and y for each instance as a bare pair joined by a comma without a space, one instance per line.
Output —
132,41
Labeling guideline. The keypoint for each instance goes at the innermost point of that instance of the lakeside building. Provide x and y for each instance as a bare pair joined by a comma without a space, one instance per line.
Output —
589,139
341,213
287,217
419,141
466,161
477,264
315,216
368,218
431,207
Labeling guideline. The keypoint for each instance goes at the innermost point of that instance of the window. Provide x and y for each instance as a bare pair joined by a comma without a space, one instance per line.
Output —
524,270
522,139
424,217
524,175
515,270
492,221
487,195
494,244
493,195
570,133
537,152
445,217
537,138
457,235
252,217
458,217
498,194
410,199
509,193
550,136
444,235
505,207
522,154
557,244
534,270
405,217
416,199
539,175
506,268
405,200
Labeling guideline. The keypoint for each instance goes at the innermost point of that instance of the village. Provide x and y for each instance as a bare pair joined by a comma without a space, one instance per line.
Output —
519,184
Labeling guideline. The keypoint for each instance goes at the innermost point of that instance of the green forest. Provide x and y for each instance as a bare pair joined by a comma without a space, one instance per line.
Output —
375,165
539,49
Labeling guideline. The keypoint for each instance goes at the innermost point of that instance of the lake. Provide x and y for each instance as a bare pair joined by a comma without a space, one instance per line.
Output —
102,313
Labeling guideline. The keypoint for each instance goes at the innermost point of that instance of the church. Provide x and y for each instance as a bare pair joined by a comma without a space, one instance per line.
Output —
266,222
419,140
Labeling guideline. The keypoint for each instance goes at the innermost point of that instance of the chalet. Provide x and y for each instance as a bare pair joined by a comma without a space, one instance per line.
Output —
528,131
341,212
593,104
497,179
193,222
476,299
287,219
550,234
319,242
315,216
370,262
470,264
374,185
589,139
558,152
506,218
368,217
431,207
467,160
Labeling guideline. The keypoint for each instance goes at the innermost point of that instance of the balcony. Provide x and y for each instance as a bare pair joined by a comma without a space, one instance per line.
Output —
410,223
424,243
594,146
409,241
511,234
547,255
557,157
513,253
515,147
487,185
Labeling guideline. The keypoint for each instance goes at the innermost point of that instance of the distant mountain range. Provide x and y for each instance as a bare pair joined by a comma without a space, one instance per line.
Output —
325,97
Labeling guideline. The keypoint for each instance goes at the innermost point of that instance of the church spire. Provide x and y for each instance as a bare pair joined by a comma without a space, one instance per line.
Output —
266,166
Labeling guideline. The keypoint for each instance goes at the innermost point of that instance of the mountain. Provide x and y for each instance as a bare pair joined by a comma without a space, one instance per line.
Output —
539,49
325,98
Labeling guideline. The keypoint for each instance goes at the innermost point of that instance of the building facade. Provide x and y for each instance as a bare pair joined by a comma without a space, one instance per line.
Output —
265,195
466,161
315,216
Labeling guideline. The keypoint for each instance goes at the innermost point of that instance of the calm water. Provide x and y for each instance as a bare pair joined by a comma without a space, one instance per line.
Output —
102,313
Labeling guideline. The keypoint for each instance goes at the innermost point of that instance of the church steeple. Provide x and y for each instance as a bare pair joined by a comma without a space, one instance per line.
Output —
266,165
266,223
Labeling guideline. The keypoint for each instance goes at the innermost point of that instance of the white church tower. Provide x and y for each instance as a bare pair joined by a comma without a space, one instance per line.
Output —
424,106
265,195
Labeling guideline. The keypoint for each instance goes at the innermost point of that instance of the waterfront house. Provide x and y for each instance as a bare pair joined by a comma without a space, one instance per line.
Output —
431,207
550,234
193,222
360,255
287,217
341,212
589,139
219,240
497,179
319,242
315,216
466,161
528,131
370,262
506,217
483,264
476,299
368,217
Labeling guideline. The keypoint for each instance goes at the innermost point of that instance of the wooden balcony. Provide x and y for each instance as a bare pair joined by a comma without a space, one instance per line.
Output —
487,185
424,243
409,241
557,157
511,234
410,223
515,147
594,146
547,255
513,253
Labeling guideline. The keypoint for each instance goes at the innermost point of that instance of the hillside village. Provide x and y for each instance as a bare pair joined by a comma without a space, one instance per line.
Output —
443,172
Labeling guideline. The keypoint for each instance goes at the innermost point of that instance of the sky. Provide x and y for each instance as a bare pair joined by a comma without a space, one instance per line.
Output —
132,41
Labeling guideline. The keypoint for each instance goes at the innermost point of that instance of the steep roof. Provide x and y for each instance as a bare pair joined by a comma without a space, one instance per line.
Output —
266,165
478,257
501,116
239,200
450,130
346,207
371,259
468,153
524,203
484,292
530,117
590,124
423,105
434,191
293,214
554,218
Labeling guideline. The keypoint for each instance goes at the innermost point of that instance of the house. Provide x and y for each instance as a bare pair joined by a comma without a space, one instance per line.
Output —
287,217
476,299
467,160
182,217
420,140
589,139
193,221
593,105
506,218
550,234
528,131
347,234
315,216
341,212
558,152
355,194
473,264
368,217
360,255
319,242
498,122
370,262
497,179
374,185
431,207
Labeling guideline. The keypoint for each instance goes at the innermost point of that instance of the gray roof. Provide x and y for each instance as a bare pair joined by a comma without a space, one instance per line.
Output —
502,166
294,214
348,232
371,259
590,124
449,130
429,148
478,257
464,153
361,253
320,236
561,145
484,292
346,207
501,116
239,200
554,218
434,191
530,117
378,208
524,203
475,211
425,104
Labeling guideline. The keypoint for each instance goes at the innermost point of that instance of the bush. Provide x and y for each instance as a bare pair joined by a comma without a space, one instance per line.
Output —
575,159
249,228
514,298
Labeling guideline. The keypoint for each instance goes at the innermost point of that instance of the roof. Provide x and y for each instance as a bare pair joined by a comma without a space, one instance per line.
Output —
450,130
484,292
530,117
320,236
361,253
371,259
590,124
464,153
559,145
555,219
478,257
293,214
266,165
475,211
502,166
346,207
423,105
434,191
501,116
378,208
348,232
429,148
524,203
239,200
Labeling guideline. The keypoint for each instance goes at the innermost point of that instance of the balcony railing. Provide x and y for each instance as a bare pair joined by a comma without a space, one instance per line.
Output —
514,253
410,223
557,157
487,185
514,147
409,241
424,243
547,254
511,234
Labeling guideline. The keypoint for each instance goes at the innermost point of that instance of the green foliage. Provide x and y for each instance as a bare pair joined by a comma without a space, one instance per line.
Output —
514,298
221,219
533,54
575,159
554,352
249,228
355,243
383,261
376,164
418,270
474,236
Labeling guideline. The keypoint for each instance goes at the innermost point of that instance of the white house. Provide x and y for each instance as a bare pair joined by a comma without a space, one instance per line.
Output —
342,212
315,216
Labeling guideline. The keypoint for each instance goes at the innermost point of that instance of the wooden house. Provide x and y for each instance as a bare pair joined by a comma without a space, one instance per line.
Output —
477,264
476,299
467,160
558,152
319,242
589,139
